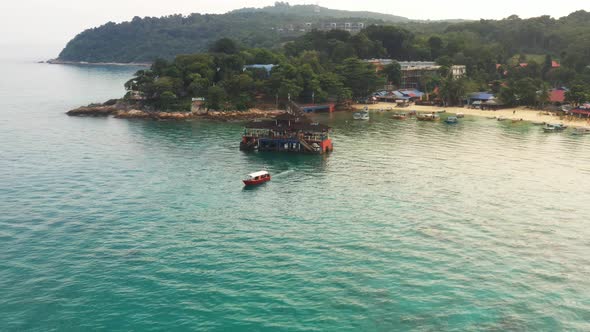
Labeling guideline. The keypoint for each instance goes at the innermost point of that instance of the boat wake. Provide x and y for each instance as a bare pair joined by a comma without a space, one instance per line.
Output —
284,173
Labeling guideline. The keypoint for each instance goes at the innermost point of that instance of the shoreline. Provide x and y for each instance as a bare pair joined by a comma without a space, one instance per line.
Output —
84,63
127,111
516,113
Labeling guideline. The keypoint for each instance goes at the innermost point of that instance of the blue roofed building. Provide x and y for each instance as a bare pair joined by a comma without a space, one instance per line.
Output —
267,67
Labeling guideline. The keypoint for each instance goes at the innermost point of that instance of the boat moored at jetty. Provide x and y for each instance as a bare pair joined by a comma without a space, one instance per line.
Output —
256,178
361,115
287,133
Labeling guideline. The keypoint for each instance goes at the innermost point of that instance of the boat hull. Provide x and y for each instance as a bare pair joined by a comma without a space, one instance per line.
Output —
256,182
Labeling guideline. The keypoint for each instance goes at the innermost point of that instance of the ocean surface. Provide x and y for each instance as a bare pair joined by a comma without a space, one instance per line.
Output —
122,225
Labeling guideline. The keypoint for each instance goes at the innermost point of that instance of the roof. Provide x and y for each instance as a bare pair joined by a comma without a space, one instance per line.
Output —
481,96
412,93
267,67
259,173
555,64
557,95
580,111
295,126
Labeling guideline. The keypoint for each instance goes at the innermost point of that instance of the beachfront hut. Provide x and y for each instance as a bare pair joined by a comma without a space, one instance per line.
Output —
477,99
492,104
582,111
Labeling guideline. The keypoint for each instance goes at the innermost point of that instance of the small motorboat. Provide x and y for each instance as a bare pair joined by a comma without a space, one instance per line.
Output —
428,117
399,116
539,123
452,120
552,128
361,115
517,120
256,178
460,115
491,117
501,118
581,131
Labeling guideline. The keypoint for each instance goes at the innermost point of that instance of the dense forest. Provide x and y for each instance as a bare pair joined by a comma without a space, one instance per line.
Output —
328,65
145,39
315,11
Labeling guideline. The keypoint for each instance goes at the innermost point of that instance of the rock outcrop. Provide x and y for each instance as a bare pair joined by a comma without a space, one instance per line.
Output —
123,110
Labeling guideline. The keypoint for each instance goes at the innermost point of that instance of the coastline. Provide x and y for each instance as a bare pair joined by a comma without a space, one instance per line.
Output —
127,111
516,113
84,63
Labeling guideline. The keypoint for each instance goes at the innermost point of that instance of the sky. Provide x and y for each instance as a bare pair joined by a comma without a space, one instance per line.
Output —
49,24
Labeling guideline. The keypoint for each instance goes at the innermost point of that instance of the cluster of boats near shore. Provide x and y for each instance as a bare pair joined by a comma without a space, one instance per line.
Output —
453,119
432,117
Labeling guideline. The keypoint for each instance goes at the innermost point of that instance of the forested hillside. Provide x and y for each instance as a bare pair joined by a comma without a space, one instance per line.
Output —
479,44
315,11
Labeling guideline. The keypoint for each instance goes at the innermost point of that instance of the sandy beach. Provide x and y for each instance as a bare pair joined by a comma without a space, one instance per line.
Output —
508,113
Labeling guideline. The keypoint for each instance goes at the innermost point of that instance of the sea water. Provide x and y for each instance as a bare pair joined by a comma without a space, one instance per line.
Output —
118,225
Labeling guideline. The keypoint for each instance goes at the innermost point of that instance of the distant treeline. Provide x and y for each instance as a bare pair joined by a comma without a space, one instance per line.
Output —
320,66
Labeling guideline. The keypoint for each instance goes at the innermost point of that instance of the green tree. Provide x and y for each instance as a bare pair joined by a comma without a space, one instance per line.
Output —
393,72
216,98
578,94
360,77
224,45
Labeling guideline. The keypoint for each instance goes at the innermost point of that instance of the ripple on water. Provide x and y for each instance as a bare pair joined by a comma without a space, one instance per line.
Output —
405,226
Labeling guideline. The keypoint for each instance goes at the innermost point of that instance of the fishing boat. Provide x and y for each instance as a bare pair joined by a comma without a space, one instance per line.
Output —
399,116
460,115
256,178
581,131
452,120
552,128
361,115
428,117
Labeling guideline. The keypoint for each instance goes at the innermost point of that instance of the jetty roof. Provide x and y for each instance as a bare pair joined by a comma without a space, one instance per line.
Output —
295,126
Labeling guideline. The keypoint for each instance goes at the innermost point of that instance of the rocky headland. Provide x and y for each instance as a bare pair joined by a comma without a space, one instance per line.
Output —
124,110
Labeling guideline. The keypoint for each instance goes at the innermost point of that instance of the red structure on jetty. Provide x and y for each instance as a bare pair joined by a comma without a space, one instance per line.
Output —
287,133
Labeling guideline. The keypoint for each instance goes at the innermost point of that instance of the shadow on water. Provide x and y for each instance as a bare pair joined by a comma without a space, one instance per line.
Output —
282,162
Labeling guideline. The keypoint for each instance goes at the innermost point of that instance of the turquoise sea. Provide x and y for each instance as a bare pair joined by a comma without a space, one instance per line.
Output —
132,225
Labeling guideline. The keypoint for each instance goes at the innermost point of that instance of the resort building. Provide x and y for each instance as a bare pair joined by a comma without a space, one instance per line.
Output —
287,133
414,72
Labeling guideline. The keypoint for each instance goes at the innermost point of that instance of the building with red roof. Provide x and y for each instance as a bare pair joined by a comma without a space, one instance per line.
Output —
557,96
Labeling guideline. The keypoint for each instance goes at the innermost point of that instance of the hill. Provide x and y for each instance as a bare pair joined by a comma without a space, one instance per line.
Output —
145,39
317,11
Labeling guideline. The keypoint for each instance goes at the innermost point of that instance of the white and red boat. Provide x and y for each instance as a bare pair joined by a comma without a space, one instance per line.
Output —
257,178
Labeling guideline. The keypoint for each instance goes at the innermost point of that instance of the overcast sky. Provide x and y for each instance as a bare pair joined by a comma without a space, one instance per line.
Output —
54,22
